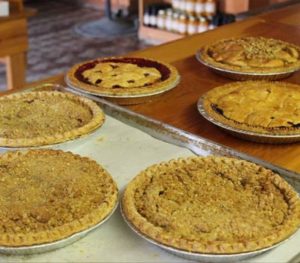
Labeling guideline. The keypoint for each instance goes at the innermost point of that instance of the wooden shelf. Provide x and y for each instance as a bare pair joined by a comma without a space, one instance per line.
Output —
157,36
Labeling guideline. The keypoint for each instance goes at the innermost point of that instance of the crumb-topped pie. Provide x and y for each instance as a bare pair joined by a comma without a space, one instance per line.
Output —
48,195
123,77
252,55
216,205
45,117
271,108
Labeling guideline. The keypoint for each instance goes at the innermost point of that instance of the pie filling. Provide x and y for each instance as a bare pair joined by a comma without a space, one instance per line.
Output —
122,73
210,204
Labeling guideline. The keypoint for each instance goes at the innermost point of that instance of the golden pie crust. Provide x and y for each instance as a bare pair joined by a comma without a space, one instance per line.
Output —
258,106
48,195
45,117
252,55
215,205
123,76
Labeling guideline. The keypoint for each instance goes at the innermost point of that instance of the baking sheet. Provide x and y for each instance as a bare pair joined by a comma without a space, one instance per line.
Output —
124,151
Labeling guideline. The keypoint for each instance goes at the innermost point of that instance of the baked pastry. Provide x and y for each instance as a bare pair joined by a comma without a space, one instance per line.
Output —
215,205
48,195
123,77
252,55
271,108
42,118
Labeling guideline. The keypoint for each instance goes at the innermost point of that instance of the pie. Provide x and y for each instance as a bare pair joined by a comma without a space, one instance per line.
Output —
216,205
123,77
252,55
45,117
271,108
48,195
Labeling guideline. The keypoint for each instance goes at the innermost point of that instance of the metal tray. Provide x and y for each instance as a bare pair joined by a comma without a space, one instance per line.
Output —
125,99
237,75
247,135
202,257
117,241
34,249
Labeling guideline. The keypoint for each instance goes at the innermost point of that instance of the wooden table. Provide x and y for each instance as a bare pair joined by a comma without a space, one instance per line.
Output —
14,45
178,107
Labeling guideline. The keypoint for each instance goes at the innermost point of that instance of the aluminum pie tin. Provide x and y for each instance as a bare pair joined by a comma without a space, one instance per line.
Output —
203,257
41,248
247,135
125,99
237,75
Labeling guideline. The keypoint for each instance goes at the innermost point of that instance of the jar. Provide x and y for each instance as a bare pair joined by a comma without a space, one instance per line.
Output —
182,4
192,27
175,20
202,25
190,6
199,7
169,19
176,4
210,7
182,24
161,19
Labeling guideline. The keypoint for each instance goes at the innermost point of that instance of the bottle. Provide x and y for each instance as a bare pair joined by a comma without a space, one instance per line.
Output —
169,19
210,7
192,27
146,19
202,25
161,19
182,24
199,7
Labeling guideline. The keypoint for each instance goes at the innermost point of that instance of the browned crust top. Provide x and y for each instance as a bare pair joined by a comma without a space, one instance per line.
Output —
260,48
271,108
215,205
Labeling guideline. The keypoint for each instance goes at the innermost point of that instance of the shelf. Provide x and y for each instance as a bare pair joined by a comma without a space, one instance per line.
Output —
157,36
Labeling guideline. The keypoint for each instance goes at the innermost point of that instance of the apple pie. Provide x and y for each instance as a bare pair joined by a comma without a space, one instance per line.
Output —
271,108
49,195
45,117
217,205
123,77
252,55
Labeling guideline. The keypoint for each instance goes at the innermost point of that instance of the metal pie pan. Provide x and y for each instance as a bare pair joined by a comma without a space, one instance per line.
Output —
202,257
237,75
41,248
248,135
125,99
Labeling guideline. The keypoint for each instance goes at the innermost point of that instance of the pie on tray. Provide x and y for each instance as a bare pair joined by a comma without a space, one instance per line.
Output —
42,118
271,108
214,205
252,55
123,77
49,195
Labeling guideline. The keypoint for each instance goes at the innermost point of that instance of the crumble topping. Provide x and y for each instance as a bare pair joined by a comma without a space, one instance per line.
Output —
29,117
44,189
